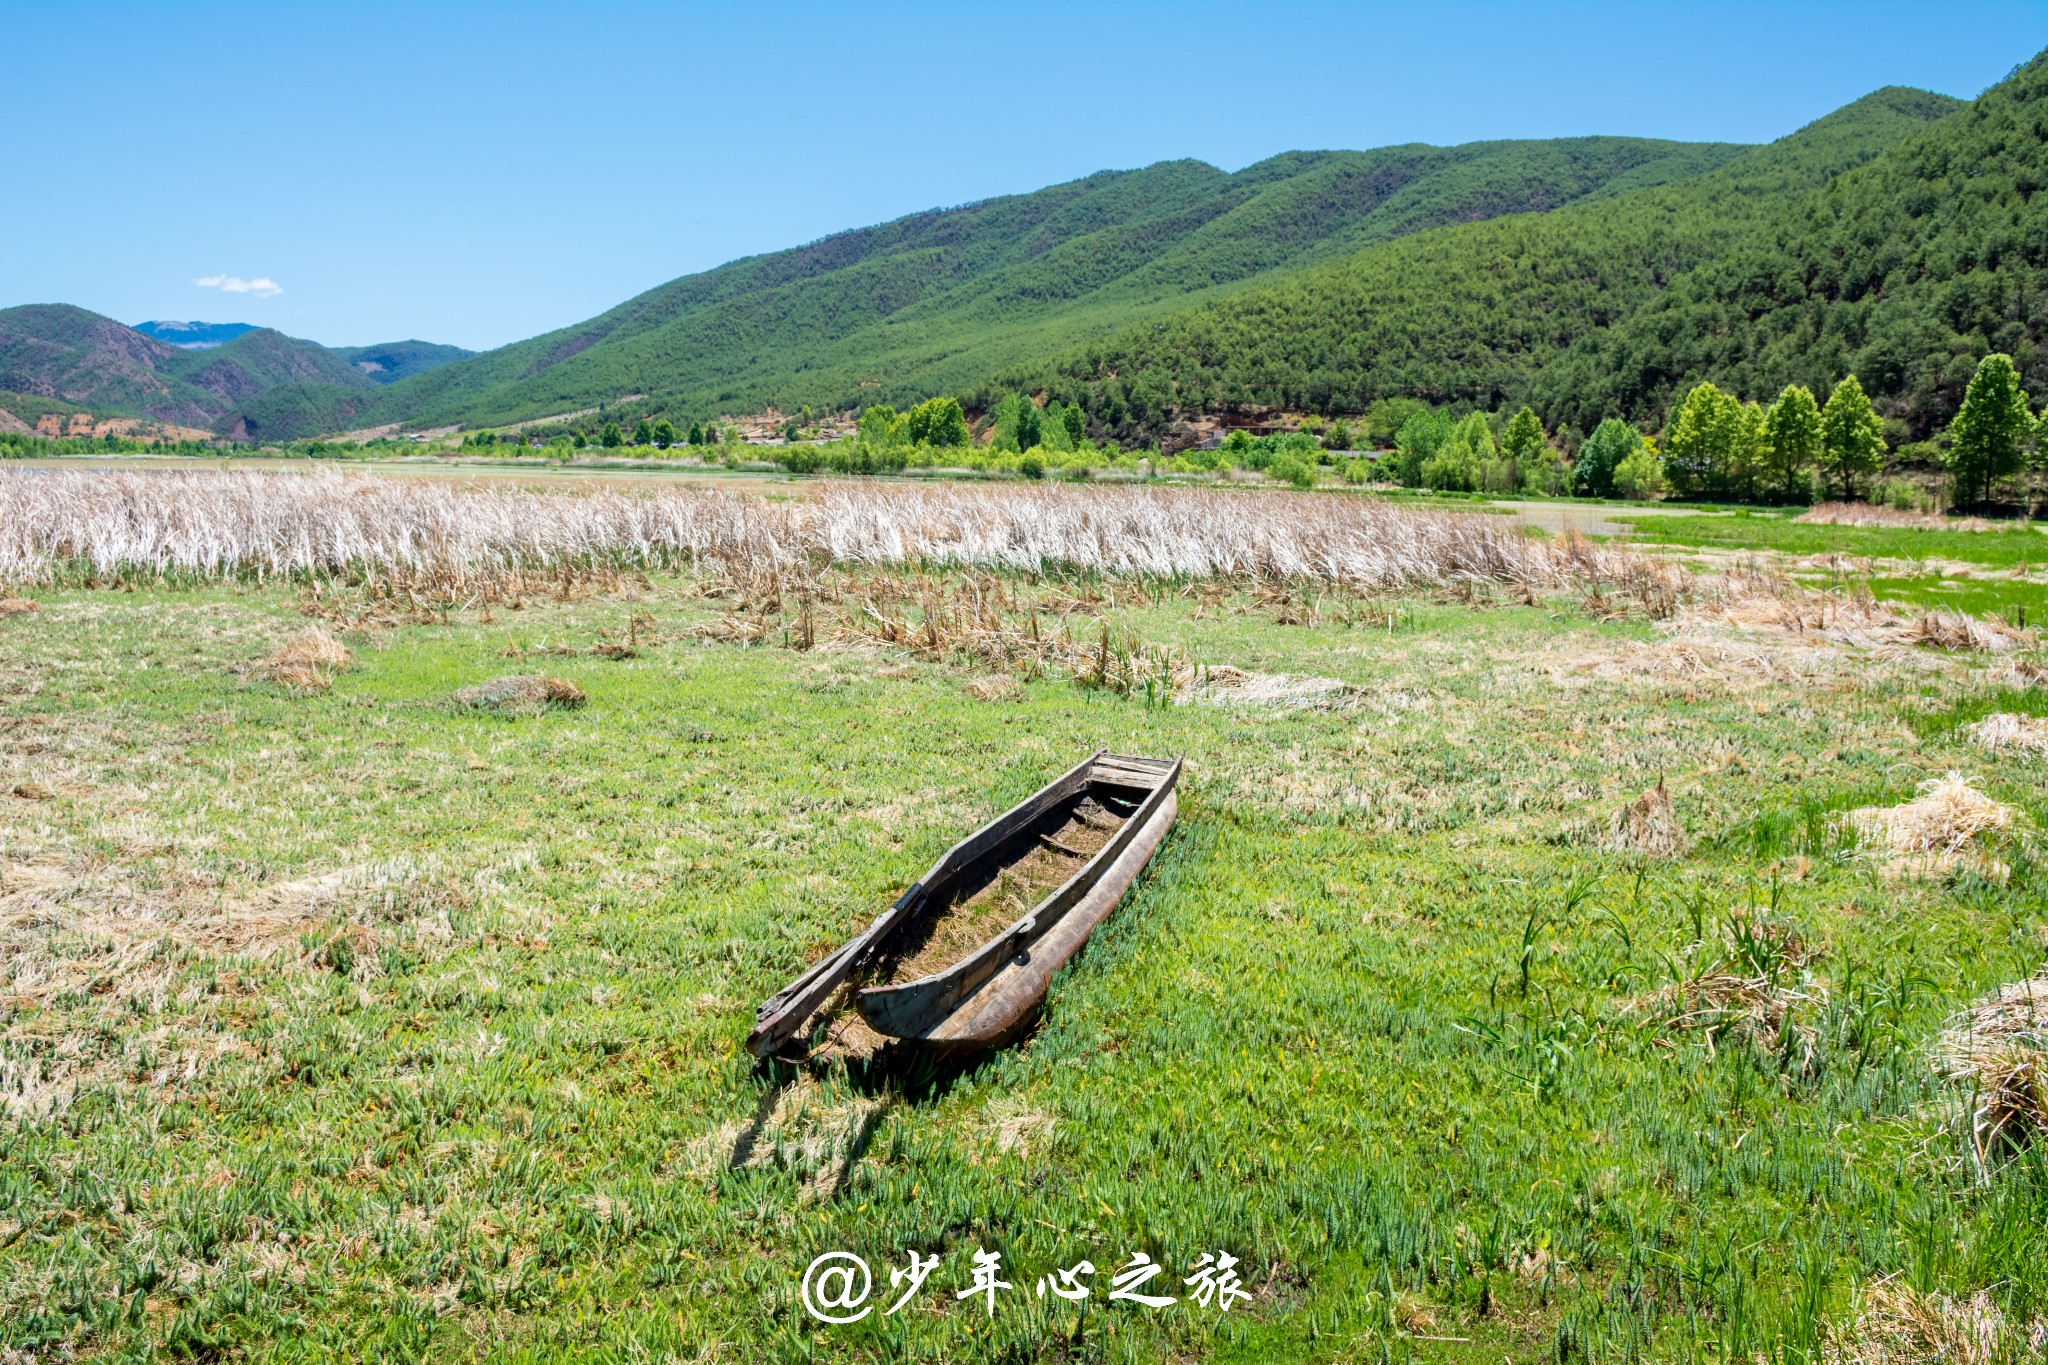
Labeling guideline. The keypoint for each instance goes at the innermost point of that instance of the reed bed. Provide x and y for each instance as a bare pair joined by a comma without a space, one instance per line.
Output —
1876,514
215,524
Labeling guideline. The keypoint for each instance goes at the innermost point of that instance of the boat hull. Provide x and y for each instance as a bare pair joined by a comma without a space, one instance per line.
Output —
985,995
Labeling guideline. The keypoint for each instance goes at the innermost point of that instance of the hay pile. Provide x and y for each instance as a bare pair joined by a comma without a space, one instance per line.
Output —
1950,824
307,662
18,606
2004,731
520,692
1897,1325
1647,825
1999,1049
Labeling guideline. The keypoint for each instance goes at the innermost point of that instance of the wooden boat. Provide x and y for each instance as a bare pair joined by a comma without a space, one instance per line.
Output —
964,956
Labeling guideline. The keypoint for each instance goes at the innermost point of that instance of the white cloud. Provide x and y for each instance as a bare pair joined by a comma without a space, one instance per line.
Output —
262,286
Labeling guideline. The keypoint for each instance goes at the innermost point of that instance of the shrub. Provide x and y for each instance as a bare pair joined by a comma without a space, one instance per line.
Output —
1290,470
1032,466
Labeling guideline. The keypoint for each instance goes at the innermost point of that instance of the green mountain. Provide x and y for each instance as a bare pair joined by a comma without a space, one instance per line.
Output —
390,361
939,299
57,352
1898,237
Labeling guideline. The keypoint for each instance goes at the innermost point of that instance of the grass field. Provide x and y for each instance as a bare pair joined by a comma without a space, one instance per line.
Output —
351,1023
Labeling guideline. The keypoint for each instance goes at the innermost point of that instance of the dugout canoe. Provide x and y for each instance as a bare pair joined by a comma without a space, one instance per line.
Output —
962,959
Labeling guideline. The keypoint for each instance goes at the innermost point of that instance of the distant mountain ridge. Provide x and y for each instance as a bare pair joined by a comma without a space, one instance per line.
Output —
206,379
194,336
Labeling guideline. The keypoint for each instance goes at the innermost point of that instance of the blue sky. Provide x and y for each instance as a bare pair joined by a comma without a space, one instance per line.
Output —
477,173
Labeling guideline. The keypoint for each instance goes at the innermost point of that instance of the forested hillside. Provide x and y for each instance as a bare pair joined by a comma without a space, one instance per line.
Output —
1896,237
940,299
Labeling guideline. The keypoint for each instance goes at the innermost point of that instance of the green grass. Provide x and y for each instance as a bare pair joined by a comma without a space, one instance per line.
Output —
1365,1023
2021,546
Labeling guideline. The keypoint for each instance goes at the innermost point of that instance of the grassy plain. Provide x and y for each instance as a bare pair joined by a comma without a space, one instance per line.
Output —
352,1025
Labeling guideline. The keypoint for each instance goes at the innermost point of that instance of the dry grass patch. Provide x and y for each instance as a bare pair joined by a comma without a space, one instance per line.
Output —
1223,685
1895,1324
307,662
1999,1048
1948,825
1874,514
18,606
520,692
2005,732
999,687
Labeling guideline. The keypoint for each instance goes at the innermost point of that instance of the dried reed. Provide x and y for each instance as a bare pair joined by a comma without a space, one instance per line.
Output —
1876,514
263,523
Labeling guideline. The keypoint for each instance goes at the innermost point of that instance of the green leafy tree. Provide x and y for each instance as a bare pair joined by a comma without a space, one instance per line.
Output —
1030,424
1422,434
1851,437
611,438
938,422
1612,442
643,433
1791,445
1711,447
1640,475
1462,463
581,440
1384,420
664,433
881,427
1987,441
1524,443
697,437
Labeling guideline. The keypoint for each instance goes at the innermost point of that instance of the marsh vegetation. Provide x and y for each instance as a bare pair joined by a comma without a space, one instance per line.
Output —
341,1017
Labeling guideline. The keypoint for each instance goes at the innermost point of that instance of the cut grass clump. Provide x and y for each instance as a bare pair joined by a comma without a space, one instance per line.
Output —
1744,985
1957,631
1647,826
18,606
1896,1324
1999,1049
2005,732
520,692
998,687
307,662
1948,825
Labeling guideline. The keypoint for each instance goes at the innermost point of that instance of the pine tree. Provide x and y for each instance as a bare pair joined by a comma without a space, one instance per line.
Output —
1988,437
1791,441
643,433
1851,437
610,437
697,437
1076,423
